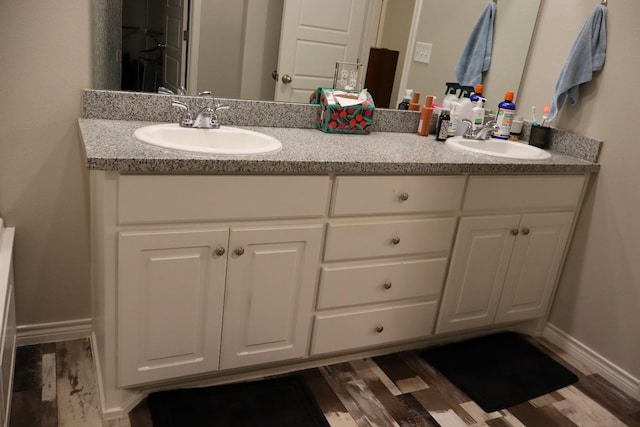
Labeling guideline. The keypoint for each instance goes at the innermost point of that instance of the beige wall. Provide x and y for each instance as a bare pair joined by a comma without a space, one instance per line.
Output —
43,187
598,301
514,24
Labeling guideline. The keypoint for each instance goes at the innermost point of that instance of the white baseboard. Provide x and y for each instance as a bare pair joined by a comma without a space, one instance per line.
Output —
591,361
52,332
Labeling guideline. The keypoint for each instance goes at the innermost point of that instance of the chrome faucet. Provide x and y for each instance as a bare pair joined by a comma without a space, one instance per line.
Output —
207,118
481,134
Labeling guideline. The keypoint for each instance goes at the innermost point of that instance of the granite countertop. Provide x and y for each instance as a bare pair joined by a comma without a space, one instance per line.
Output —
110,145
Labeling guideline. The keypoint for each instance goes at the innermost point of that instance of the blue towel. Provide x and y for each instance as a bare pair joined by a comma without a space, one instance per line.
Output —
586,56
476,55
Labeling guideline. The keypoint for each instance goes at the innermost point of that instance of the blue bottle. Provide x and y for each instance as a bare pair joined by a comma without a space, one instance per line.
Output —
477,94
506,114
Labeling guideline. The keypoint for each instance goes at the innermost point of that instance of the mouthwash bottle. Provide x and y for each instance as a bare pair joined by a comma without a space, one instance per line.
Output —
506,114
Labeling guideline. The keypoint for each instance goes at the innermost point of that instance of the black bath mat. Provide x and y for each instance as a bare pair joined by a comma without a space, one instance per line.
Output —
278,402
500,370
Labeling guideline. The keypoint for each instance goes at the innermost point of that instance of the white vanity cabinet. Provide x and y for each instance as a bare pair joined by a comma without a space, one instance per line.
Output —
504,266
271,282
170,296
211,272
385,260
206,278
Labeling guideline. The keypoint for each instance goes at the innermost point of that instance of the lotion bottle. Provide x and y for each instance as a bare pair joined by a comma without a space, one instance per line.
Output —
454,120
425,116
477,115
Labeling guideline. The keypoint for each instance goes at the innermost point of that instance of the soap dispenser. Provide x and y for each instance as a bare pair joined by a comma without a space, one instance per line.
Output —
406,99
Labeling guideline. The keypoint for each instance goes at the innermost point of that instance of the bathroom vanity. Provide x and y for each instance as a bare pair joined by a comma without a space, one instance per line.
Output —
209,270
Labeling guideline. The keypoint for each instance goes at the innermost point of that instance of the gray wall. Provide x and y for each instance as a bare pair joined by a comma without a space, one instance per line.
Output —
598,301
43,180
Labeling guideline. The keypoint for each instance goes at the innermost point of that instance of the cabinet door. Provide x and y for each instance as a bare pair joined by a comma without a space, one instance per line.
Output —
479,264
271,283
170,296
534,266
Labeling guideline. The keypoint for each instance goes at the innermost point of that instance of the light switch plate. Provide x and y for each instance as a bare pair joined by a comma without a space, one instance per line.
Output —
422,52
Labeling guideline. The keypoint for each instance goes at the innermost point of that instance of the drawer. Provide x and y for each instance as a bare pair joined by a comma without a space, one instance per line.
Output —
339,332
523,192
376,239
362,195
380,282
158,198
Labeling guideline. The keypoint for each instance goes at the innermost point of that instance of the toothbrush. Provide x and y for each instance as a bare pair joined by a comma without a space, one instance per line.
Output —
533,112
545,115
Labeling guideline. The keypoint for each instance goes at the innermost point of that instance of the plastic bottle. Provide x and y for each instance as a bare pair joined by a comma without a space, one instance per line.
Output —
477,94
404,104
465,109
442,130
425,116
477,115
454,119
505,116
414,105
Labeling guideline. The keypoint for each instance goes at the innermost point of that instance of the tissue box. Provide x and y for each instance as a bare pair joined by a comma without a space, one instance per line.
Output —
354,117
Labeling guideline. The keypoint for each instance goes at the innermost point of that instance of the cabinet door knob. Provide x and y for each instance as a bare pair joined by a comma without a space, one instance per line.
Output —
515,231
239,251
395,240
286,79
220,251
387,285
379,329
525,231
404,197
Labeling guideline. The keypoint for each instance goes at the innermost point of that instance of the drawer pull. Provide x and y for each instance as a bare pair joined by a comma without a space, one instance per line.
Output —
387,285
404,197
525,231
239,251
379,329
515,231
219,251
395,240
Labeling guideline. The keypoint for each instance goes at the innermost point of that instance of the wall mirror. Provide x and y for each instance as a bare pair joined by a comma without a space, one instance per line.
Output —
267,49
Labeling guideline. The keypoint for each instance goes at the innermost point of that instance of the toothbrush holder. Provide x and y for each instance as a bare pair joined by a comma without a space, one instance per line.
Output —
540,136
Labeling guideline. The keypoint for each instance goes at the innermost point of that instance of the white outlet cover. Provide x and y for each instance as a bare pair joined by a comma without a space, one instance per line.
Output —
422,52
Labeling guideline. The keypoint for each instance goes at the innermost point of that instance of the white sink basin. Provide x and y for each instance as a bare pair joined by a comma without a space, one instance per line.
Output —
499,148
226,140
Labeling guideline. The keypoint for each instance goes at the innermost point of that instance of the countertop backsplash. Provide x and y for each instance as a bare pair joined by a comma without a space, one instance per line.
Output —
151,107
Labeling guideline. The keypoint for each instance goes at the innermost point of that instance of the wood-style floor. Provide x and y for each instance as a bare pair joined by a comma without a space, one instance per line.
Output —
55,386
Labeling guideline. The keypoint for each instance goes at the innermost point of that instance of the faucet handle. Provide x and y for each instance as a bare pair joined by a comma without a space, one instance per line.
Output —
187,116
218,106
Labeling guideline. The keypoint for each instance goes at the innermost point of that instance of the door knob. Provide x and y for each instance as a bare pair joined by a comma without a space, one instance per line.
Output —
220,251
404,197
286,79
515,231
525,231
239,251
395,240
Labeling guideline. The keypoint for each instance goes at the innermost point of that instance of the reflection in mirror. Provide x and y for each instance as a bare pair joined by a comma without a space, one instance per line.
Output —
235,49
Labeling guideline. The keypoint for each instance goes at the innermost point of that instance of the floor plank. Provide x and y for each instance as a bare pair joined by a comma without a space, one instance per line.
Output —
77,392
55,386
